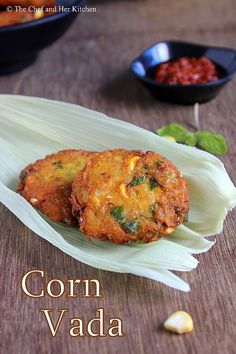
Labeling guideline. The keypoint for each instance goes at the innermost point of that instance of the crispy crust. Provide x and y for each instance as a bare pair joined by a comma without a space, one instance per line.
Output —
114,201
46,184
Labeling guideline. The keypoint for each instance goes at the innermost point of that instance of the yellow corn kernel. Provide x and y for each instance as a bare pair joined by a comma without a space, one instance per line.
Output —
123,190
169,230
133,162
38,14
179,322
33,200
169,138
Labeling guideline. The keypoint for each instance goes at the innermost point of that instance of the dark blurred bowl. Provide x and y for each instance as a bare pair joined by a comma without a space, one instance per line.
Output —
21,43
143,66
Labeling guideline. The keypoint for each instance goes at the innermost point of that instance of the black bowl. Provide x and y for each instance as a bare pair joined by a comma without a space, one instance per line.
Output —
142,68
21,43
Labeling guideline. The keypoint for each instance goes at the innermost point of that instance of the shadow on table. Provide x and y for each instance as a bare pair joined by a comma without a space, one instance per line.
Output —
124,88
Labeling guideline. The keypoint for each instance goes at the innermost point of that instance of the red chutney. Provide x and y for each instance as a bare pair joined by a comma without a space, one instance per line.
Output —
187,71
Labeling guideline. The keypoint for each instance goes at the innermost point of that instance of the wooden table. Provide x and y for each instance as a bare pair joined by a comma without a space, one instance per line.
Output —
89,66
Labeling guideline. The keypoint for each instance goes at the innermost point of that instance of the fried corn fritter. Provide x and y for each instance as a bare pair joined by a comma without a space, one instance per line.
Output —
47,183
129,195
14,17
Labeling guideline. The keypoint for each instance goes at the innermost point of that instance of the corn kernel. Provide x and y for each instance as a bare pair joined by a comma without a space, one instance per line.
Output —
133,162
179,322
169,230
169,138
123,190
33,200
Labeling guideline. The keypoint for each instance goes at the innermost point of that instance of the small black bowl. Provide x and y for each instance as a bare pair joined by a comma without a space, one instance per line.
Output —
143,66
21,43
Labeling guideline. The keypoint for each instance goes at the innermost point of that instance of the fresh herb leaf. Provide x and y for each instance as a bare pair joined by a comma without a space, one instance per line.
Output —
213,143
190,139
175,130
152,208
128,226
131,226
158,164
153,183
177,210
206,140
118,213
138,181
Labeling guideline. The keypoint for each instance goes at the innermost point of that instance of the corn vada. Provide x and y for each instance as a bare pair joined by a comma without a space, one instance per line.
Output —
15,17
47,183
125,196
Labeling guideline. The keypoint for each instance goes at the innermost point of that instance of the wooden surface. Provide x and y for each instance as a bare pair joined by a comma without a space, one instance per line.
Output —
89,66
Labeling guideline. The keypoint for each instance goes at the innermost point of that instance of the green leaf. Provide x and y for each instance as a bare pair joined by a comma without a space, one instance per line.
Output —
130,226
190,139
118,213
138,181
152,208
159,164
175,130
213,143
153,183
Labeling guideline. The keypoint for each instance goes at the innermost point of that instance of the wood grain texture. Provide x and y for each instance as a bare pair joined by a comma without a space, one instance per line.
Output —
89,66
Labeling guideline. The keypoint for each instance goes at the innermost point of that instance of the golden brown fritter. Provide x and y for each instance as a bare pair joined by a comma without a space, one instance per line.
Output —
15,17
8,18
47,183
129,195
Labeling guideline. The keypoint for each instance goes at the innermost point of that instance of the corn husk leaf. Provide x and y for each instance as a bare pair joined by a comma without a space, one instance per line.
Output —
32,127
